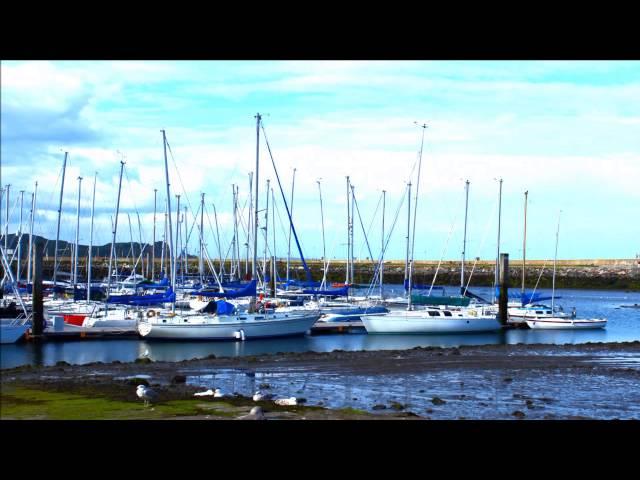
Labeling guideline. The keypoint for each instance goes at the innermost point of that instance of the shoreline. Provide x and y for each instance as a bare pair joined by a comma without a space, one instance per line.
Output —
428,390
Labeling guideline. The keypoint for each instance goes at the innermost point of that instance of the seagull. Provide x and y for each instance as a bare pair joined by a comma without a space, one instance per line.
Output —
218,393
204,394
258,396
145,354
256,413
286,401
146,394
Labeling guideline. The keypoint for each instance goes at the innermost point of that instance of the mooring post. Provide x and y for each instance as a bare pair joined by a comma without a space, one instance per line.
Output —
37,310
504,287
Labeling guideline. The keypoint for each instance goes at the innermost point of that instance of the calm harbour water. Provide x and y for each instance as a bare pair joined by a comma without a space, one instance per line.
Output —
623,326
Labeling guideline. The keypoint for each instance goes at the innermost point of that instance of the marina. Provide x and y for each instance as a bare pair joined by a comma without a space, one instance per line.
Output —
232,228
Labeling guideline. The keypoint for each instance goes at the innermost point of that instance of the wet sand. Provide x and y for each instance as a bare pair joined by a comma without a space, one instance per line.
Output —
586,381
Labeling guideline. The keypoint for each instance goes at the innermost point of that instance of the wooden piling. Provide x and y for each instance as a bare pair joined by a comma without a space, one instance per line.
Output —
37,308
503,279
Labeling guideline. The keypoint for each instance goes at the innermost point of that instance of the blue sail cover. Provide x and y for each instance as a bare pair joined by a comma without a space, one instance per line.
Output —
164,283
144,300
248,290
338,292
302,283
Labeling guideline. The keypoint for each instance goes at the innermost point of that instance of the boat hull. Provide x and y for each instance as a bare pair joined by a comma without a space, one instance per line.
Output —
565,324
227,329
419,324
12,333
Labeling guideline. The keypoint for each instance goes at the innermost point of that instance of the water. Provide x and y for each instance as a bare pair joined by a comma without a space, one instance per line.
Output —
623,326
477,394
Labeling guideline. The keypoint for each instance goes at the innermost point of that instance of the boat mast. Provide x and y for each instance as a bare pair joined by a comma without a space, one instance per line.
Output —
201,261
185,249
495,281
324,251
252,305
234,239
236,253
133,252
18,265
384,194
6,234
171,249
555,258
524,241
293,184
352,230
274,270
55,253
266,225
153,248
348,231
33,213
215,215
176,252
406,262
164,241
75,257
415,213
93,206
250,225
464,241
115,229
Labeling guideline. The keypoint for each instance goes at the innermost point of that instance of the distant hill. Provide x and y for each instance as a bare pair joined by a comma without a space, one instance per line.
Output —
123,249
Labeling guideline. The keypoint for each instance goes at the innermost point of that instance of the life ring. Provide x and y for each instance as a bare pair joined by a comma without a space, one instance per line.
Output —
151,313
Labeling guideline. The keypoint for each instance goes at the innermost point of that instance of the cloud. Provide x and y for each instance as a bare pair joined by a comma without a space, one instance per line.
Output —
567,131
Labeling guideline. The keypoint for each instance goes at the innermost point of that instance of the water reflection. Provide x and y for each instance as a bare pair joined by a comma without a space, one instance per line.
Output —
623,326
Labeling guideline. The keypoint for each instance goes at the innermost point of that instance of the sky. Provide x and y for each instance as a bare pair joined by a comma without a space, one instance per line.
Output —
568,132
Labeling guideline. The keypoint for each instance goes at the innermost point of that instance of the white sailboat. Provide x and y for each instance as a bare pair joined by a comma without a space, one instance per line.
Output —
430,319
12,330
549,318
234,325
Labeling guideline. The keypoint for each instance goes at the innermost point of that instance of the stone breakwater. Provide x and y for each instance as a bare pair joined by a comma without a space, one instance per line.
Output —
617,274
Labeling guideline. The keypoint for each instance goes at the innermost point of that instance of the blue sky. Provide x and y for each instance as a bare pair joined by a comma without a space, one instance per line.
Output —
566,131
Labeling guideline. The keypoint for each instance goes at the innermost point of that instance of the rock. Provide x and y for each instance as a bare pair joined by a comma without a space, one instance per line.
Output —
429,410
179,379
397,406
518,414
379,406
437,401
143,360
62,363
507,379
420,391
264,385
211,356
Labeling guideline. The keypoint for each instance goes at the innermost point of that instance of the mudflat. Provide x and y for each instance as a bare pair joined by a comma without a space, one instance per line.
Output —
584,381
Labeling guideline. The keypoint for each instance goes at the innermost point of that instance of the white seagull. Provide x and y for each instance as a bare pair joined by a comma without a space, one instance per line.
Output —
258,396
255,414
146,394
286,401
217,393
204,394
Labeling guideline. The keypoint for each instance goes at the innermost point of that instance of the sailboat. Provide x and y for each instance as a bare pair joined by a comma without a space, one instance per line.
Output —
221,320
429,319
12,330
549,318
